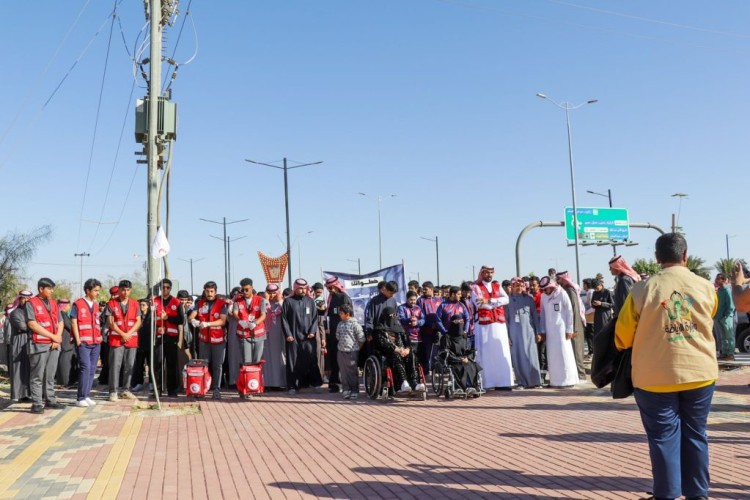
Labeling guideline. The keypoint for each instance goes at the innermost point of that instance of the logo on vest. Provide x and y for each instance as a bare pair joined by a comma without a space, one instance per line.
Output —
679,312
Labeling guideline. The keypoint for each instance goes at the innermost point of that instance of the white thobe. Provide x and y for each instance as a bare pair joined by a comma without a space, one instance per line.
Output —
556,320
492,346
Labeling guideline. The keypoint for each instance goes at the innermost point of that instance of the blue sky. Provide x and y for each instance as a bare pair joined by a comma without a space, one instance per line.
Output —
431,100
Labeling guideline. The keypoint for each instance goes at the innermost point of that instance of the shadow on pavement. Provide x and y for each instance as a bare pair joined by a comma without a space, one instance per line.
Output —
434,481
588,437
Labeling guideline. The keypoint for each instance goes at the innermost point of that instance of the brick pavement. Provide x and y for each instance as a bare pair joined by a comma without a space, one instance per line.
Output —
541,443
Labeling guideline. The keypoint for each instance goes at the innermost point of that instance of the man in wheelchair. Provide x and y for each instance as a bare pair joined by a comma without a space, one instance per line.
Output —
390,341
457,354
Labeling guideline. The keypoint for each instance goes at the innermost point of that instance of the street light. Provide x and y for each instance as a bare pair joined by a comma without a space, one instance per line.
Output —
359,264
676,222
568,107
380,226
609,197
226,247
285,168
298,240
227,241
727,238
437,255
191,260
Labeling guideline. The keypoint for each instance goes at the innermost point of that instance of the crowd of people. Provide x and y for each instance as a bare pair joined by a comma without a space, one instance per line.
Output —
520,333
517,333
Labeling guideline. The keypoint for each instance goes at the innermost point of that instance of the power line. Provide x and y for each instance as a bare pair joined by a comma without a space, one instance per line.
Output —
96,124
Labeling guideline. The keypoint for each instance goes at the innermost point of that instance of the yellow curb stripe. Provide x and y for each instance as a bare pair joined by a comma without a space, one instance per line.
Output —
109,480
10,473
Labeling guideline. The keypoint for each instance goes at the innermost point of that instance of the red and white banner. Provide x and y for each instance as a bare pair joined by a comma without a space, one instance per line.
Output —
273,267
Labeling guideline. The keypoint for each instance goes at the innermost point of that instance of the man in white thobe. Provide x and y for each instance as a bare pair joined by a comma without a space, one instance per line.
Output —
556,329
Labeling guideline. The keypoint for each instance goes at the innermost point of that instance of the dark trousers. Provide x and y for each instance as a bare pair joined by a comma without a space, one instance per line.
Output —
139,366
675,424
424,351
104,356
169,344
18,363
88,354
403,368
333,360
588,335
541,349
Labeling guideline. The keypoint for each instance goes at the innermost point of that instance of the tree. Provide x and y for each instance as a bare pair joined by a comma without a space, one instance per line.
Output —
138,290
63,290
698,266
16,250
726,266
643,266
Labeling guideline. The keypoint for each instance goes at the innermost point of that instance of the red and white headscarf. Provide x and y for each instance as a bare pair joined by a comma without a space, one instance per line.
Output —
619,265
272,289
301,283
336,283
547,282
564,279
518,280
485,267
25,294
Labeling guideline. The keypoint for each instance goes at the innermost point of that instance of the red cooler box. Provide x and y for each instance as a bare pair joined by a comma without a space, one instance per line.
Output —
250,379
196,378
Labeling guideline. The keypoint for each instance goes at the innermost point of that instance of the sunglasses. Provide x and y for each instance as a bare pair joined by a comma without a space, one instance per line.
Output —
247,289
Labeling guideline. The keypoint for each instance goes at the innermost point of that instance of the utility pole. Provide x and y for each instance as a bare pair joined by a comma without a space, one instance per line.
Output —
285,168
191,260
224,223
228,242
84,254
152,146
437,255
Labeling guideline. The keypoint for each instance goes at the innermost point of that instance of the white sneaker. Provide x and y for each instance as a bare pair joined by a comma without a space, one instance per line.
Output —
405,387
91,402
347,394
420,388
82,404
113,397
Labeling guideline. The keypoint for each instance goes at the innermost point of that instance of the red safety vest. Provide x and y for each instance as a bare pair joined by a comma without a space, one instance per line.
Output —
212,334
495,315
89,329
244,313
124,322
162,325
46,319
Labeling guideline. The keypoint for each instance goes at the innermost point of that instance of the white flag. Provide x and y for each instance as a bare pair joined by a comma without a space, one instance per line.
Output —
160,245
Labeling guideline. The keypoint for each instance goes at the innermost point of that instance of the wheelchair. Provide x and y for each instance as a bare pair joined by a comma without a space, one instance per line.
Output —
379,380
444,380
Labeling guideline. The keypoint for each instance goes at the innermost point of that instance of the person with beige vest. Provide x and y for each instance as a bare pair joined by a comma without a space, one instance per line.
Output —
668,322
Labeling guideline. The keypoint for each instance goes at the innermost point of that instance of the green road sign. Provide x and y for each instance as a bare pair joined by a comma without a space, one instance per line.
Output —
598,224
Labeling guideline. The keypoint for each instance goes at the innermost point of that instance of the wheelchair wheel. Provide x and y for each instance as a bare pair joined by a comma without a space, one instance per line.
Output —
438,378
450,383
480,386
373,376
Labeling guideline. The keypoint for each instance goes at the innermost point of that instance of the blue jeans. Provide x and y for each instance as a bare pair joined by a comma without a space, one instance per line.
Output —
88,355
675,423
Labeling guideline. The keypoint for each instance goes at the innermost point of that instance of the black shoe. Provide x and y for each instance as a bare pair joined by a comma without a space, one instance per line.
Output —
54,405
333,388
172,394
37,409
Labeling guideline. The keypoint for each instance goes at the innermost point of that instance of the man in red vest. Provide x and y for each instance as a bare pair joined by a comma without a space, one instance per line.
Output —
124,322
87,332
249,309
169,317
210,317
45,324
490,334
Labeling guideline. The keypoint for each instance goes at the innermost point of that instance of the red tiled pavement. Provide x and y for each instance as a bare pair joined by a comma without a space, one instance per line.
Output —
525,444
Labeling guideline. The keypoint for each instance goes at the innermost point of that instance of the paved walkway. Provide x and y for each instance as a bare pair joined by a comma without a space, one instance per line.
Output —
540,443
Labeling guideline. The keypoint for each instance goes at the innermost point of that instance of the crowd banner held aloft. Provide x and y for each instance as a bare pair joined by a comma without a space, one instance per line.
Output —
362,287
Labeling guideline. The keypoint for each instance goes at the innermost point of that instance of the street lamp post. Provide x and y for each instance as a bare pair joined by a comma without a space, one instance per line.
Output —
727,238
299,251
568,107
86,254
224,223
227,242
437,255
286,168
359,264
380,227
609,197
191,260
